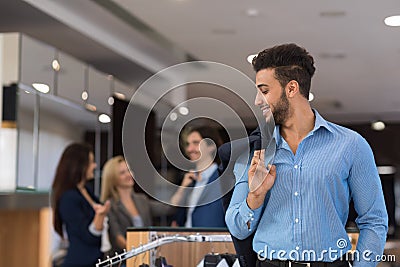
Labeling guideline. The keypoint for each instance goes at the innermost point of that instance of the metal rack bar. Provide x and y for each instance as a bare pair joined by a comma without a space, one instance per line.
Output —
159,242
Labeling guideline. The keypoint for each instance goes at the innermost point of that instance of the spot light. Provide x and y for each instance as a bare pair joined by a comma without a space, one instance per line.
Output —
250,58
104,118
85,95
378,125
41,87
173,116
55,65
393,21
386,170
183,110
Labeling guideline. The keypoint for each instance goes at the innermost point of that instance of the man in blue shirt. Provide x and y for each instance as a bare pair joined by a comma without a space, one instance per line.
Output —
299,210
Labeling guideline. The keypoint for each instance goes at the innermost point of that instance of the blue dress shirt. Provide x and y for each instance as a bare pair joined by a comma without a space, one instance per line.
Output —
304,214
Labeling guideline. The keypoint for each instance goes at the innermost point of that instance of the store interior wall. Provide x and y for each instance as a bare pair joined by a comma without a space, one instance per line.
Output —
55,135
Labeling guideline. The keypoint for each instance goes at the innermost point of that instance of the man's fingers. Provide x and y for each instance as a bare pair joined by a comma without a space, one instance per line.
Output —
262,155
272,169
255,159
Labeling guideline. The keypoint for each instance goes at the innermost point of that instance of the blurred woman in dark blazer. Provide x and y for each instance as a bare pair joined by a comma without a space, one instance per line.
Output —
77,211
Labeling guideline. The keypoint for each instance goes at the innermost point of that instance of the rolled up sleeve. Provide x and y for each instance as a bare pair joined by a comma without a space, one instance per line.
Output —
240,219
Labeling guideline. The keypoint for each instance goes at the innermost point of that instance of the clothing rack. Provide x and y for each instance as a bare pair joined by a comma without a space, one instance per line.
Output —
110,261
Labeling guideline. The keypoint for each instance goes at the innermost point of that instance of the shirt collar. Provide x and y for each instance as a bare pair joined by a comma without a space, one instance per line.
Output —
319,122
206,174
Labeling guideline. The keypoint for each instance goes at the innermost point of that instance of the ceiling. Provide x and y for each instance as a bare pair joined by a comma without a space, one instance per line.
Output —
357,56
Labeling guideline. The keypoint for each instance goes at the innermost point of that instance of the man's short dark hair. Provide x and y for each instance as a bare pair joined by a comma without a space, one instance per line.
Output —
210,134
207,133
290,62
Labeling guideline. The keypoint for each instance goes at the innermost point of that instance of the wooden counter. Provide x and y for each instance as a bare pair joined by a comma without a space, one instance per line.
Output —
25,219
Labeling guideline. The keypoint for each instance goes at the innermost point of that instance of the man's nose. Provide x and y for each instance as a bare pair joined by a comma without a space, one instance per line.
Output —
260,99
190,147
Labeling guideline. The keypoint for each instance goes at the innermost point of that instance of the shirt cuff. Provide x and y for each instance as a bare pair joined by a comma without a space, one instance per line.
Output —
249,215
93,231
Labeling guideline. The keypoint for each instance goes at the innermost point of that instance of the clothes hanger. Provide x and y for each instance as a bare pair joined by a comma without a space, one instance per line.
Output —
143,257
212,260
229,257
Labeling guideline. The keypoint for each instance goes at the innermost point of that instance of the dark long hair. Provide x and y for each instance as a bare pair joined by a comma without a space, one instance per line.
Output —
71,170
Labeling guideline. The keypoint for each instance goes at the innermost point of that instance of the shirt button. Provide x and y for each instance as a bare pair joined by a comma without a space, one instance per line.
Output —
297,220
296,193
296,166
297,248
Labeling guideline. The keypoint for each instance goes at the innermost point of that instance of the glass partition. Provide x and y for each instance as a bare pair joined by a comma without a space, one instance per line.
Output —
60,123
25,142
46,125
49,121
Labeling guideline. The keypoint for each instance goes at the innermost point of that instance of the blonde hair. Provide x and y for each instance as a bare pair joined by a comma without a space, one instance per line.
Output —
109,179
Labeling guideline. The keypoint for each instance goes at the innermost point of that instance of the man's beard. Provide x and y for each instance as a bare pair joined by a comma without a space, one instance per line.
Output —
281,109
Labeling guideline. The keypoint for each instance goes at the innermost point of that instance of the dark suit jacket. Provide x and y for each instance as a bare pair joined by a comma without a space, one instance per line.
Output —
120,219
228,153
209,215
77,214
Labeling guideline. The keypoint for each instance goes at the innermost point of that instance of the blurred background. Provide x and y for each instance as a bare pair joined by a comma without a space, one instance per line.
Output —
69,68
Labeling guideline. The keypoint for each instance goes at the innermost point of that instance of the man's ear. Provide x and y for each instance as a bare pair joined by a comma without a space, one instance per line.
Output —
292,88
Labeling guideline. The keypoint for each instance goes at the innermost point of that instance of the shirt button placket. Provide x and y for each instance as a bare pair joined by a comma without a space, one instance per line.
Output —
296,205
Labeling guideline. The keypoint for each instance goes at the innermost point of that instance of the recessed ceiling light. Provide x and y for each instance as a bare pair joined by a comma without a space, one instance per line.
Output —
120,95
310,97
251,57
173,116
90,107
378,125
393,21
111,101
41,87
184,110
386,169
252,12
104,118
85,95
55,65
